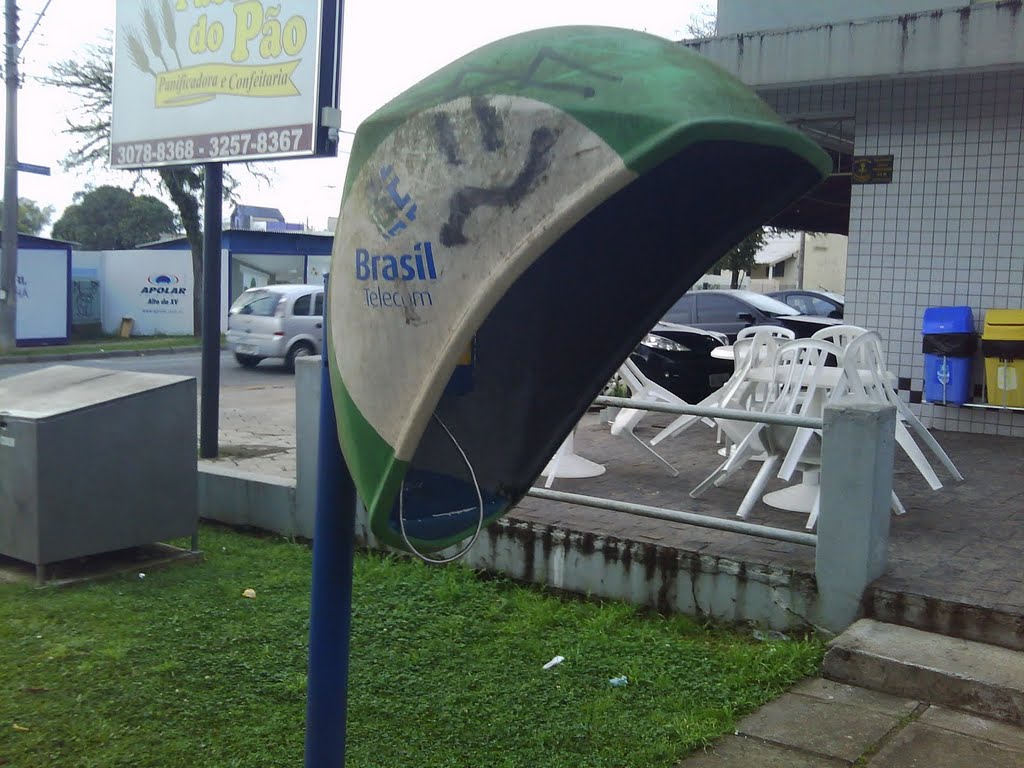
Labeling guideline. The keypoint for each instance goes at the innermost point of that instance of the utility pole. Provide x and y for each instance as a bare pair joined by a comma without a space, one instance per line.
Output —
9,263
209,379
800,261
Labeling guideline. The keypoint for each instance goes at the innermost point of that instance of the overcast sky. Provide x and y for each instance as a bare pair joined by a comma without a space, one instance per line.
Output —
388,46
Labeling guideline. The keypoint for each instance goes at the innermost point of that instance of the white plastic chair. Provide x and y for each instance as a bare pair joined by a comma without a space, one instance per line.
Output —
643,389
800,389
840,335
867,379
805,384
751,353
776,331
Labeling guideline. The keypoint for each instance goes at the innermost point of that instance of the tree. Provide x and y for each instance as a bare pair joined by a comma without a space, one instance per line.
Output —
703,23
32,219
112,217
741,257
91,78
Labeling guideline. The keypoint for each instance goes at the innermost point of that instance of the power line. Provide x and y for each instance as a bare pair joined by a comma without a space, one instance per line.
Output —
28,37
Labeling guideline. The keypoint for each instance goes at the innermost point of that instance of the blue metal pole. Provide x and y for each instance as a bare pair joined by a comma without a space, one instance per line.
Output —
331,600
330,610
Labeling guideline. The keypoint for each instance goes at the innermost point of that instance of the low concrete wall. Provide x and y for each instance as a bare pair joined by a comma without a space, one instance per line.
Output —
244,498
641,573
669,580
307,424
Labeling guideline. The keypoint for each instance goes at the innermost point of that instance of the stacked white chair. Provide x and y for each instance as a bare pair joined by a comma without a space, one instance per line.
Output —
777,331
799,382
867,379
840,335
642,389
804,374
753,352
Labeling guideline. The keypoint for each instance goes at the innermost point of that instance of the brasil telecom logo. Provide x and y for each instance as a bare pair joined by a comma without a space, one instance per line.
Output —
396,270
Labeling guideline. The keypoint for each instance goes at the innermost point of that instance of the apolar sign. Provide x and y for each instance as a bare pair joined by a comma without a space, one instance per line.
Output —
211,80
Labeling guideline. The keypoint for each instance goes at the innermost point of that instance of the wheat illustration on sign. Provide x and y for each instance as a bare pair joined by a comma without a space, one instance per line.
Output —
253,53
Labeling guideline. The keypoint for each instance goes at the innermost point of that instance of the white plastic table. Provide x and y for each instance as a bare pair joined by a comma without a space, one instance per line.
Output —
567,463
800,497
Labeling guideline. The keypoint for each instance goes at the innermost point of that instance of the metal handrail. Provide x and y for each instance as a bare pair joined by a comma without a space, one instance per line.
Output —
782,419
677,516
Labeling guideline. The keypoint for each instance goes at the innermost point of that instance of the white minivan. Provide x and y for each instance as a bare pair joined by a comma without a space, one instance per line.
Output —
276,321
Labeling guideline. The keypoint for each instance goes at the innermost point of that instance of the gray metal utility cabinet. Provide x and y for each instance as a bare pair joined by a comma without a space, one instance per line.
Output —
92,461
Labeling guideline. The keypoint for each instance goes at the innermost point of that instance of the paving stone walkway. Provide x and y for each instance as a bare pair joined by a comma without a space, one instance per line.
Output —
257,429
821,724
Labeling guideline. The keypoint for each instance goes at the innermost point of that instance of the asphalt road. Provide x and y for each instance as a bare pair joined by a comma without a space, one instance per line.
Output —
268,373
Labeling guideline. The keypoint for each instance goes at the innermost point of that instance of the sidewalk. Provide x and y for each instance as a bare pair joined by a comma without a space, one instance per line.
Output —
821,724
257,429
57,356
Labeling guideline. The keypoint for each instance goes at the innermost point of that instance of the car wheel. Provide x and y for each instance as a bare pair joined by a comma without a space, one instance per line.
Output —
299,349
247,361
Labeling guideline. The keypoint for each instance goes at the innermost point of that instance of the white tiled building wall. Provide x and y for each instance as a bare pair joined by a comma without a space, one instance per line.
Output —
949,229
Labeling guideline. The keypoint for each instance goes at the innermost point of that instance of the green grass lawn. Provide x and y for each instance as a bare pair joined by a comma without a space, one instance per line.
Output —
110,343
178,669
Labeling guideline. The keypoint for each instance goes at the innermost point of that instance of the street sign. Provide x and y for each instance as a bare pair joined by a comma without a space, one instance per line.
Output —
42,170
511,228
198,82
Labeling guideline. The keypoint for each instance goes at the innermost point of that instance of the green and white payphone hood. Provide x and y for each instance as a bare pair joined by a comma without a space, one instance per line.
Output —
510,229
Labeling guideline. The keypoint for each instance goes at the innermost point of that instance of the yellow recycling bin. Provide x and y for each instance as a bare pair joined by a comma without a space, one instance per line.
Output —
1002,344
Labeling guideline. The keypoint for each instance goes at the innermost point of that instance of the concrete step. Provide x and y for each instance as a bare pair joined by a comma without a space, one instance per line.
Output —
982,679
994,624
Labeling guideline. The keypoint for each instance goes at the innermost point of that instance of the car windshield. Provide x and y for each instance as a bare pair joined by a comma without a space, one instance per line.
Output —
261,303
768,305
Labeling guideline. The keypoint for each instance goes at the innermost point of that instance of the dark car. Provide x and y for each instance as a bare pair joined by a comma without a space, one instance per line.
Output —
679,359
822,303
730,311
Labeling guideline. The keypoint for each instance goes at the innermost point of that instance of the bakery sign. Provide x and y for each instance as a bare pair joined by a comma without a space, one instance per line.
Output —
211,80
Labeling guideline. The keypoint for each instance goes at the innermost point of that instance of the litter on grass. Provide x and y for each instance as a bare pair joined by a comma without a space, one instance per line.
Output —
771,634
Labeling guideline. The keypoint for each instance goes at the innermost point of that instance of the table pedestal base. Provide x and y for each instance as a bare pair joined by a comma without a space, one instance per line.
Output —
569,464
796,498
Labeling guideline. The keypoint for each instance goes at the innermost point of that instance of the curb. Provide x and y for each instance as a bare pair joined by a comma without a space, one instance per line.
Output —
70,356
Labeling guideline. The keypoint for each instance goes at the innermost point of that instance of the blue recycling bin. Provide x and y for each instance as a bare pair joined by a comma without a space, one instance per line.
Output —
949,343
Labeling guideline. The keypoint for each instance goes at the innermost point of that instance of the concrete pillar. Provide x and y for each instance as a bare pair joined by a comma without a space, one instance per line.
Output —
307,423
858,446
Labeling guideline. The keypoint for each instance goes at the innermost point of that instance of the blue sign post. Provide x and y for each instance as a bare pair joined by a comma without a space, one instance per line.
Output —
331,599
